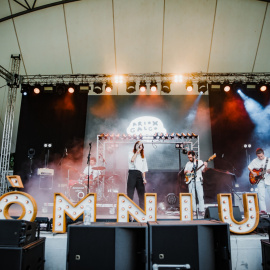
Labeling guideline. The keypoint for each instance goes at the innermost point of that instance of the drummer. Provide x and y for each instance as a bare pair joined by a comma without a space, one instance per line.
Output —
93,174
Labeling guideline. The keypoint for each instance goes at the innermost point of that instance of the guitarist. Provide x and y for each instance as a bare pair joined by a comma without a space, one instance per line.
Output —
190,167
261,163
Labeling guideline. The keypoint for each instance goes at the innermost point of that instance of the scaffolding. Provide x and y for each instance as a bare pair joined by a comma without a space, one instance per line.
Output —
12,79
182,141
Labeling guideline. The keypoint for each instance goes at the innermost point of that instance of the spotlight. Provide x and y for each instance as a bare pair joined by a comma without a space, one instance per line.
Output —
166,87
142,86
155,136
48,88
98,87
108,87
202,86
262,86
178,78
47,145
84,88
60,89
194,135
36,90
71,90
226,86
25,89
179,145
153,86
172,135
238,85
189,85
131,87
118,79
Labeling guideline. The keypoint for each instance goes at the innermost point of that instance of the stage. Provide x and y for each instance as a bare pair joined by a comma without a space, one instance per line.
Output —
245,251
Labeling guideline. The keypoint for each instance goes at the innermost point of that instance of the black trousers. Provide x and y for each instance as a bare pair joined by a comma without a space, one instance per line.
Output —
135,181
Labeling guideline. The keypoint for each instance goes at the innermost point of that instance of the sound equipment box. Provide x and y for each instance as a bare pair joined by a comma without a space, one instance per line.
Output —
30,256
263,225
202,244
265,254
111,245
17,232
211,212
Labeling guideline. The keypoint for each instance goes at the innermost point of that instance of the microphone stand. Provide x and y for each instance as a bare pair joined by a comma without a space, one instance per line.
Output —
88,164
196,196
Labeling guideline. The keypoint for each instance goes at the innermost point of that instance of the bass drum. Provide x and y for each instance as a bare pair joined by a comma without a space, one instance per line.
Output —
77,192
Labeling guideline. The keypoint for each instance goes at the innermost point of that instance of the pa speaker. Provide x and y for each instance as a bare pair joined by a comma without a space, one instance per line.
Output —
17,232
211,212
263,225
265,254
27,257
103,245
202,244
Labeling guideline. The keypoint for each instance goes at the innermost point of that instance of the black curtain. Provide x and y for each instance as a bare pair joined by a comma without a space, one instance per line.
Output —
49,118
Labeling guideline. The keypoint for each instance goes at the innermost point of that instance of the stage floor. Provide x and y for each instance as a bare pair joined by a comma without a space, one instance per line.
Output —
245,251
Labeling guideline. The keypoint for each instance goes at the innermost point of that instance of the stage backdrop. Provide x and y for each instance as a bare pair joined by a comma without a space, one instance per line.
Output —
114,114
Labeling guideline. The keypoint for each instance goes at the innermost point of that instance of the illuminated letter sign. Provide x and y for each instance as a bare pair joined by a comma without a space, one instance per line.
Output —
126,207
146,125
26,201
63,206
185,204
251,212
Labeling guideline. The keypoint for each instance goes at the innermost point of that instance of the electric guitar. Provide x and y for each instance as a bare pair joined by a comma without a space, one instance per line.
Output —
259,176
190,176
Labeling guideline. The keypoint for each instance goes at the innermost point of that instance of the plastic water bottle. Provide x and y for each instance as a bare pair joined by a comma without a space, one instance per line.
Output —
87,215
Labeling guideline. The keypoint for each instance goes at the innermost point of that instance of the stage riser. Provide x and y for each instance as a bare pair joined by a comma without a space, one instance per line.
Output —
245,251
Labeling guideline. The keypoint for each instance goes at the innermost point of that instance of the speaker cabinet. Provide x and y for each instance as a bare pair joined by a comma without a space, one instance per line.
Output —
202,244
103,245
211,212
27,257
17,232
265,254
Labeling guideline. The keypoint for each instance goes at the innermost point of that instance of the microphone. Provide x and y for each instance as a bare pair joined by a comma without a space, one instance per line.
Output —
222,156
90,144
66,151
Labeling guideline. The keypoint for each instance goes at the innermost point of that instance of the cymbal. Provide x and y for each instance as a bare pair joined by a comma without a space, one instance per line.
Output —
100,168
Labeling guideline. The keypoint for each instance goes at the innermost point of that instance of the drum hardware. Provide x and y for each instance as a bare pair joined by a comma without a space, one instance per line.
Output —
77,192
100,168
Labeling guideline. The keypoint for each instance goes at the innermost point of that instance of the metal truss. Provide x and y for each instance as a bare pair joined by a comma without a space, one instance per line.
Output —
185,142
254,77
8,124
32,7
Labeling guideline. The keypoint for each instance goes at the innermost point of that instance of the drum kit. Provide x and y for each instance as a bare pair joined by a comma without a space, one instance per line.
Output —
103,185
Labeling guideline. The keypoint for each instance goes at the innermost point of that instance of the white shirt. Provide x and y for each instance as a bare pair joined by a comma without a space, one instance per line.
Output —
189,167
258,164
139,163
95,173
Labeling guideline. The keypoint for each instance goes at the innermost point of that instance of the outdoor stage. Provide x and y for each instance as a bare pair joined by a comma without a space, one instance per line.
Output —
245,251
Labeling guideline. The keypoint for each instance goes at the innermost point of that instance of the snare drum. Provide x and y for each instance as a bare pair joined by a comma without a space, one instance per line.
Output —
77,192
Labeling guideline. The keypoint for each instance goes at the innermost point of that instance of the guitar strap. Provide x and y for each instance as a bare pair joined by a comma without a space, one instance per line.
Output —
265,164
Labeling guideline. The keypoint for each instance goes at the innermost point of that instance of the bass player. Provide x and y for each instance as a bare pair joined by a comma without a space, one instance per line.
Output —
260,169
192,165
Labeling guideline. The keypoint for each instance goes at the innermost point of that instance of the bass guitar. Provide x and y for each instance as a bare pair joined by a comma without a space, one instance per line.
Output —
259,176
190,176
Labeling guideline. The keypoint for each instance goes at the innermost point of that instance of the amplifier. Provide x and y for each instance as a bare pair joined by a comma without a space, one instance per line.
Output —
17,232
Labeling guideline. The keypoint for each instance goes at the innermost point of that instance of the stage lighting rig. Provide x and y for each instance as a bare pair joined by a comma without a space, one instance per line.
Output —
189,85
98,87
166,87
108,87
142,86
47,145
131,87
202,87
153,86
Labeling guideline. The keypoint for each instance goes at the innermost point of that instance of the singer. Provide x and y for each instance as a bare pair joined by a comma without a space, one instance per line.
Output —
136,175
